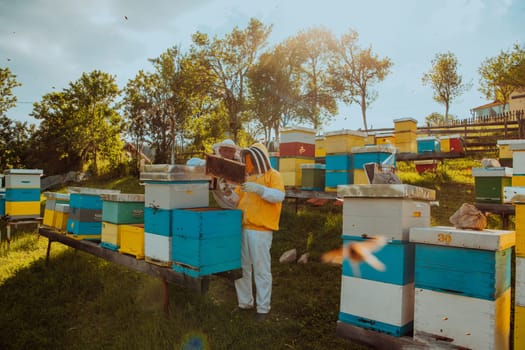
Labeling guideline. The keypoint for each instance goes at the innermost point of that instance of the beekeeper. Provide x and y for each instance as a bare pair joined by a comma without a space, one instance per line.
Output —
260,199
223,191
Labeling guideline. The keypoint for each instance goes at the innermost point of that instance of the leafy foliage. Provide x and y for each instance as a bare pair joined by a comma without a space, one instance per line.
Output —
445,80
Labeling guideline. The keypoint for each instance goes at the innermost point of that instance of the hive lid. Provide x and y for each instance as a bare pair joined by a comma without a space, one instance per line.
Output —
173,172
90,191
23,172
384,148
122,197
450,236
386,191
345,132
489,172
56,195
297,129
399,120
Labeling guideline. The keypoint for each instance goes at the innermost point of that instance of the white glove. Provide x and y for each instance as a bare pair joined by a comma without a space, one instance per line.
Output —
253,187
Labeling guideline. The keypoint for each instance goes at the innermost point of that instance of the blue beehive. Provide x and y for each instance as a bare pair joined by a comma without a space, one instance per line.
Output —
398,256
158,221
428,144
206,240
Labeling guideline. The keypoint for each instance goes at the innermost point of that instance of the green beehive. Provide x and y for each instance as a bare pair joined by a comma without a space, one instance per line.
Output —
313,177
490,182
123,208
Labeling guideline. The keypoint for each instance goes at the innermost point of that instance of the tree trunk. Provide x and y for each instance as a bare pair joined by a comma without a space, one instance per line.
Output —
363,111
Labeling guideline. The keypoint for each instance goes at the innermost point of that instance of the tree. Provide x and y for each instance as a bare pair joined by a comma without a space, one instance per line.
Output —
438,119
356,70
274,89
444,79
229,60
318,103
80,124
7,84
501,75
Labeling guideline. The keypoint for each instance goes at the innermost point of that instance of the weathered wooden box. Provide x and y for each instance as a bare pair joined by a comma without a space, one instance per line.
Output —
158,221
464,262
397,256
465,322
157,248
384,210
123,208
132,240
382,307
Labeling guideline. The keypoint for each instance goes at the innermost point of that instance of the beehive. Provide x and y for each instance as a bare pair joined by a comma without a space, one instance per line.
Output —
206,240
518,158
313,177
398,206
405,124
297,134
60,217
52,199
428,144
22,192
450,143
489,183
372,154
382,307
85,212
132,240
343,141
382,301
123,208
426,165
462,281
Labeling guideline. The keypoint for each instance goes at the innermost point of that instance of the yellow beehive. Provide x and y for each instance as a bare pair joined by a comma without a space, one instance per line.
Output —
519,327
22,208
518,180
49,217
110,233
385,139
343,141
370,140
360,177
290,169
320,150
132,240
520,229
405,124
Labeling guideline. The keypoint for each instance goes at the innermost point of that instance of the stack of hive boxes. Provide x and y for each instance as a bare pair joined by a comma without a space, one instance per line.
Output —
451,144
22,193
516,195
85,212
118,212
206,240
371,154
296,147
56,210
489,183
339,160
382,301
168,187
405,132
463,286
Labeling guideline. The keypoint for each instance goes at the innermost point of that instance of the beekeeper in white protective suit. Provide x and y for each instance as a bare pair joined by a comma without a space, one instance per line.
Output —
260,199
224,192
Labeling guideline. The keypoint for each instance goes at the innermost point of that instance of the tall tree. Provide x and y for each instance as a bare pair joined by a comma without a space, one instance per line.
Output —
7,83
356,70
501,75
230,59
318,103
81,123
444,78
274,89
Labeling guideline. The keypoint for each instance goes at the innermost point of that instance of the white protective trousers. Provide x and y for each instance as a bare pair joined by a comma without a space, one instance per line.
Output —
255,257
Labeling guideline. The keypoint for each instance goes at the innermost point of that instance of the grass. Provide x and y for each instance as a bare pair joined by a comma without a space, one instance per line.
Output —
79,301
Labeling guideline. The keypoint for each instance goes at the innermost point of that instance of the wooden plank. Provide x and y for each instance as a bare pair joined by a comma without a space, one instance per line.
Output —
198,284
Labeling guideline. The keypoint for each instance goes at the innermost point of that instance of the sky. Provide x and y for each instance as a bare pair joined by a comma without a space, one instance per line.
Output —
48,44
